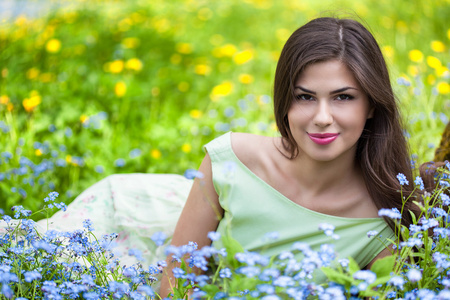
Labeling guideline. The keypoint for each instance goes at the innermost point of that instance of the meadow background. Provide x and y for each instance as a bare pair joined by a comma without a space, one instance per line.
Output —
93,88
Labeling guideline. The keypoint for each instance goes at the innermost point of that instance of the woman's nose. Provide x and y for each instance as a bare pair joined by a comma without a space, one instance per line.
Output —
323,114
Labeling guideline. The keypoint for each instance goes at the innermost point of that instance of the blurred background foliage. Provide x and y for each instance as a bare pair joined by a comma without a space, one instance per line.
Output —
91,88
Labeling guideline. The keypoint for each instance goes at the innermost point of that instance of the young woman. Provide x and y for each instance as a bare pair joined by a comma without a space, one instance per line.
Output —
336,161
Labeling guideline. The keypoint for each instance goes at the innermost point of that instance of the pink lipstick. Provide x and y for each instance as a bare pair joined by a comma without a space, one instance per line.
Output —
323,138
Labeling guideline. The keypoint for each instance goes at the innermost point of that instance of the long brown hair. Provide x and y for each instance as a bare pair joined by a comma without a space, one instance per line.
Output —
382,150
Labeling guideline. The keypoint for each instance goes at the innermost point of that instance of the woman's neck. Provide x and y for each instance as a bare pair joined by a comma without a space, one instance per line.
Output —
319,177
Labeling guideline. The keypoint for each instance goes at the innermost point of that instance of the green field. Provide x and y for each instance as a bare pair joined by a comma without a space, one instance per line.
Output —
102,87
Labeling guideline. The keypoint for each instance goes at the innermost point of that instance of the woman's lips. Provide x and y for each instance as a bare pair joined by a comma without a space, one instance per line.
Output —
323,138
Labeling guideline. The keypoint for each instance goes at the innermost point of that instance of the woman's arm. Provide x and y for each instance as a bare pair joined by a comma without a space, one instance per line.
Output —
201,214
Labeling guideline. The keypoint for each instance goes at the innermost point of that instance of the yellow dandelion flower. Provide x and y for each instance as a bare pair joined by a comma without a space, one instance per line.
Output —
434,62
31,103
221,90
53,45
442,71
130,43
115,66
437,46
21,20
443,88
32,73
204,14
402,27
183,86
5,72
186,148
448,34
68,159
273,126
195,114
120,89
227,50
137,17
243,57
10,106
202,69
4,99
415,55
245,78
48,33
387,22
413,70
155,91
38,152
184,48
431,79
156,154
134,64
125,24
84,119
46,77
175,59
261,4
161,25
388,51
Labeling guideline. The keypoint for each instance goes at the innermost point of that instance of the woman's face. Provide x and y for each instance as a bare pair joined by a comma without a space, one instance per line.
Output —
328,113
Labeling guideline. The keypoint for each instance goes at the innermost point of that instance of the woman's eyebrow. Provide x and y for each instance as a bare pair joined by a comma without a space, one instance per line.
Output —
331,93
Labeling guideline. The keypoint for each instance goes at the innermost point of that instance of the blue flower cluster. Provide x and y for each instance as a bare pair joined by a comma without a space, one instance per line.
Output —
21,175
74,264
259,276
65,265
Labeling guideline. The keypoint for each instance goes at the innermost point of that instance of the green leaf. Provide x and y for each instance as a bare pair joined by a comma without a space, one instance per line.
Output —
380,280
353,266
370,293
183,265
418,254
232,246
405,233
243,283
336,276
413,217
177,294
384,266
211,289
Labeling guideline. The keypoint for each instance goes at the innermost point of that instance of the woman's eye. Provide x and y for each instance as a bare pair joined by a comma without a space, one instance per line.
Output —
304,97
344,97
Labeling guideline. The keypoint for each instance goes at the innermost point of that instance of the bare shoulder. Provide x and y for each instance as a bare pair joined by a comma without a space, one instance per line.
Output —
247,139
251,148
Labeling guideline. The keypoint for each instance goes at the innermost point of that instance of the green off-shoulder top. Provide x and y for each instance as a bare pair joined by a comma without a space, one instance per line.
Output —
253,208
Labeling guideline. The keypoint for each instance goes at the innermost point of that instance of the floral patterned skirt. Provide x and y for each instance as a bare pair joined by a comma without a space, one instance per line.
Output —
135,206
